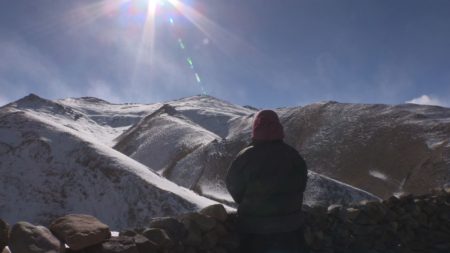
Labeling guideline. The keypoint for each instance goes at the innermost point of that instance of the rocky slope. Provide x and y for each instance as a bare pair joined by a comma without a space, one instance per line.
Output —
382,149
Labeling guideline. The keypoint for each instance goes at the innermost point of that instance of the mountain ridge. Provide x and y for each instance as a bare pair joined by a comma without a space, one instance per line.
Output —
192,140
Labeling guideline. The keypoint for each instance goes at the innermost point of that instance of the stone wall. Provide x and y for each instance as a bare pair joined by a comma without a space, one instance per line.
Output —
403,224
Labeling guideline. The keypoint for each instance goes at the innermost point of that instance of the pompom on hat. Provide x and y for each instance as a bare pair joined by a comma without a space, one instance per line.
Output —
267,127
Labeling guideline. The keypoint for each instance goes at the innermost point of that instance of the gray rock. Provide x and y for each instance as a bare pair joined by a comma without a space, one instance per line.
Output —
220,230
121,244
230,242
335,208
80,231
218,250
203,222
190,250
4,234
159,237
128,233
194,237
175,229
28,238
216,211
210,240
144,245
352,213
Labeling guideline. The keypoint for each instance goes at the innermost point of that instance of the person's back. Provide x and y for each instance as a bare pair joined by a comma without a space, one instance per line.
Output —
267,181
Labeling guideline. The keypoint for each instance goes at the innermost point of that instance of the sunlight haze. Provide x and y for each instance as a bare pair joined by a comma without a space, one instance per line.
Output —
260,53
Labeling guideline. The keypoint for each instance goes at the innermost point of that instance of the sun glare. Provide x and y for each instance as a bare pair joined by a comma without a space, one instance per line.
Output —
175,3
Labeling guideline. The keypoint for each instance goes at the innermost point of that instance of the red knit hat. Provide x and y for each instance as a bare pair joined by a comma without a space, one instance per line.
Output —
267,127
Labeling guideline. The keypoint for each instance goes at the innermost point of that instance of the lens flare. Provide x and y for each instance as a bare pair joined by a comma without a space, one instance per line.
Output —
175,3
141,16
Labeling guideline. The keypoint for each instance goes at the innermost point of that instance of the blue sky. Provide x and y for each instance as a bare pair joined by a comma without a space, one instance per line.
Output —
263,53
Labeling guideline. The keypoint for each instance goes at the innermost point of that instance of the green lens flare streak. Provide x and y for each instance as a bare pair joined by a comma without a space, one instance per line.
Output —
189,61
180,42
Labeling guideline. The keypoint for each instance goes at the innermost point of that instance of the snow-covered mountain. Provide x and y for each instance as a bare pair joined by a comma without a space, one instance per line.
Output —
51,164
62,156
383,149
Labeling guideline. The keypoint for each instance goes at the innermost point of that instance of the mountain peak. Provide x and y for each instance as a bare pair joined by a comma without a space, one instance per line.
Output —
32,96
93,100
30,101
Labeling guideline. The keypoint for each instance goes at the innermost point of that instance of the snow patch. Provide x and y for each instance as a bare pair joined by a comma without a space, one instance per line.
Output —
427,100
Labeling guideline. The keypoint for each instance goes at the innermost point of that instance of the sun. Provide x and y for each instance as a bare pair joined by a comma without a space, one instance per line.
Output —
154,3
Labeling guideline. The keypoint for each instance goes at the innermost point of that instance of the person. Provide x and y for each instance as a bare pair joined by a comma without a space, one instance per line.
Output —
267,180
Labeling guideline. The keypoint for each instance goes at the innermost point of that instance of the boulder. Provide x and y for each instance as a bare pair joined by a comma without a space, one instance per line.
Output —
144,245
230,243
335,208
121,244
216,211
220,230
159,237
194,236
80,231
175,229
190,250
210,240
28,238
203,222
4,234
352,213
128,233
218,250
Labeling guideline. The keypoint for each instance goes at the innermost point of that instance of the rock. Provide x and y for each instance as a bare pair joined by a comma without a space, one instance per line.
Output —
444,247
4,234
203,222
179,248
28,238
80,231
218,250
231,224
216,211
334,209
128,233
159,237
144,245
209,240
121,244
139,230
308,236
230,243
391,201
190,250
194,236
352,213
447,190
175,229
220,230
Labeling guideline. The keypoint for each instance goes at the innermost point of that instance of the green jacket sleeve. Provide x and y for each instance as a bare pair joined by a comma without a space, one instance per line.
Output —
236,179
301,165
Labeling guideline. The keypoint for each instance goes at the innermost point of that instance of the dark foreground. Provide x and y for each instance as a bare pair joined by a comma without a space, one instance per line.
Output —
404,224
